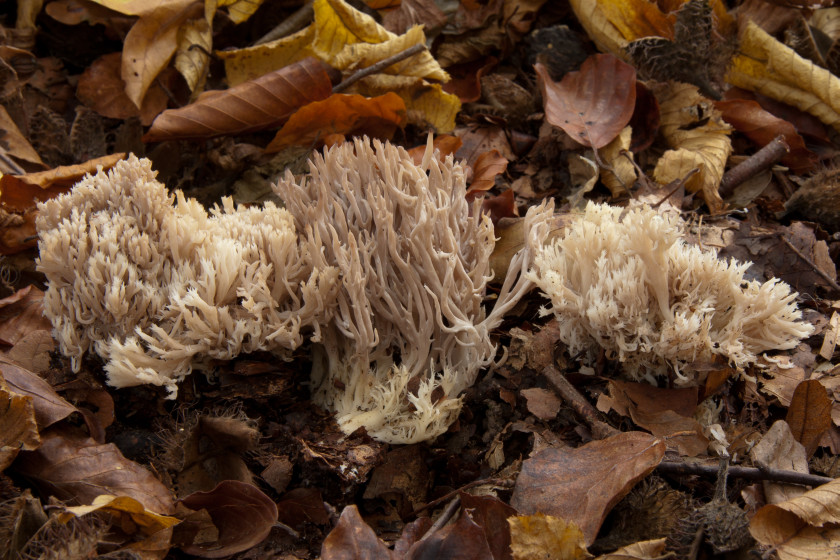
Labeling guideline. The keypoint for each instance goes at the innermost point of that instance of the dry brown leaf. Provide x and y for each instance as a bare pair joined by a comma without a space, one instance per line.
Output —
378,117
241,512
259,104
15,144
777,449
542,403
619,173
352,538
809,414
21,314
762,127
644,550
48,405
485,169
807,526
462,539
583,484
77,469
18,428
130,511
594,104
492,515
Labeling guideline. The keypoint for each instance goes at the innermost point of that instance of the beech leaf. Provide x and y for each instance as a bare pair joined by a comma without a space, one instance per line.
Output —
594,104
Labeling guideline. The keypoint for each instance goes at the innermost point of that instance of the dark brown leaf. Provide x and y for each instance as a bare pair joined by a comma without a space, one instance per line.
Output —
241,512
300,506
594,104
491,514
49,406
353,539
583,484
809,414
462,540
259,104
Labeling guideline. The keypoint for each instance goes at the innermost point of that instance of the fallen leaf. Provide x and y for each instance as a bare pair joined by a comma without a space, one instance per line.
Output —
22,313
485,169
49,407
242,513
594,104
378,117
259,104
18,428
77,469
583,484
352,539
766,66
619,173
777,449
134,512
540,536
809,414
762,127
542,403
300,506
15,143
699,140
644,550
462,539
492,515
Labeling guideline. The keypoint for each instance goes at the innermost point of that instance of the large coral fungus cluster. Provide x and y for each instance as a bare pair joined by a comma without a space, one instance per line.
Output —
377,260
625,281
409,332
152,287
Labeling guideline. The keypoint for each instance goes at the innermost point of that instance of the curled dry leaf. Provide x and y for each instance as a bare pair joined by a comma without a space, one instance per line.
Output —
130,510
594,104
258,104
762,127
49,407
611,24
777,449
18,429
803,527
77,469
462,539
377,117
583,484
485,169
809,414
545,536
241,512
699,138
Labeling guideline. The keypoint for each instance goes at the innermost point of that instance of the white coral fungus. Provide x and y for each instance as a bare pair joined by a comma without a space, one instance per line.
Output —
153,287
625,281
408,332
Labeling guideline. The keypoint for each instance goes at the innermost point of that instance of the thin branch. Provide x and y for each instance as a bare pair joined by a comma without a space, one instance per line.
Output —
502,482
293,23
763,159
379,66
578,403
811,263
747,473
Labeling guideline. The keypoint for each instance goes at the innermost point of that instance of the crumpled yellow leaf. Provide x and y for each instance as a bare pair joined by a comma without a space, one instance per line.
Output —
349,40
620,173
643,550
541,536
18,427
148,521
239,10
704,147
807,526
195,42
768,67
611,24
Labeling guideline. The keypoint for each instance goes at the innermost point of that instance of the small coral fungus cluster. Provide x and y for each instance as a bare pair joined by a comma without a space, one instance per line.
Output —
378,261
383,266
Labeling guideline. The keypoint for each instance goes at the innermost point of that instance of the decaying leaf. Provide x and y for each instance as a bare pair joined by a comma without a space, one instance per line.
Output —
699,140
594,104
134,512
645,550
619,173
18,429
611,24
352,538
583,484
540,536
809,414
778,449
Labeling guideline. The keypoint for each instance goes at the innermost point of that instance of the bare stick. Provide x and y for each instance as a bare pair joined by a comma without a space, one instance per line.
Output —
13,167
811,263
379,66
775,150
747,473
293,23
502,482
579,404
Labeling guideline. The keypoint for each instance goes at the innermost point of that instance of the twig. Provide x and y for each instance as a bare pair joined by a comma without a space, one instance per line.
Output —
811,263
494,481
293,23
579,404
444,518
679,184
379,66
775,150
747,473
13,168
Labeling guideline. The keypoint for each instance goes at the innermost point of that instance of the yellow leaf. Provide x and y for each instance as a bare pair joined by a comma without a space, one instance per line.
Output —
148,521
240,10
611,24
18,428
699,138
338,24
620,173
195,42
151,43
543,537
642,550
429,105
766,66
246,64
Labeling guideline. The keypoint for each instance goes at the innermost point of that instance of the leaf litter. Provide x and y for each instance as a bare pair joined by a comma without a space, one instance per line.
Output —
555,454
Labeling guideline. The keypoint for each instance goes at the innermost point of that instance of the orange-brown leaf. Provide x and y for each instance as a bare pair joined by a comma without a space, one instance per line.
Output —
258,104
594,104
809,414
377,117
762,127
485,169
